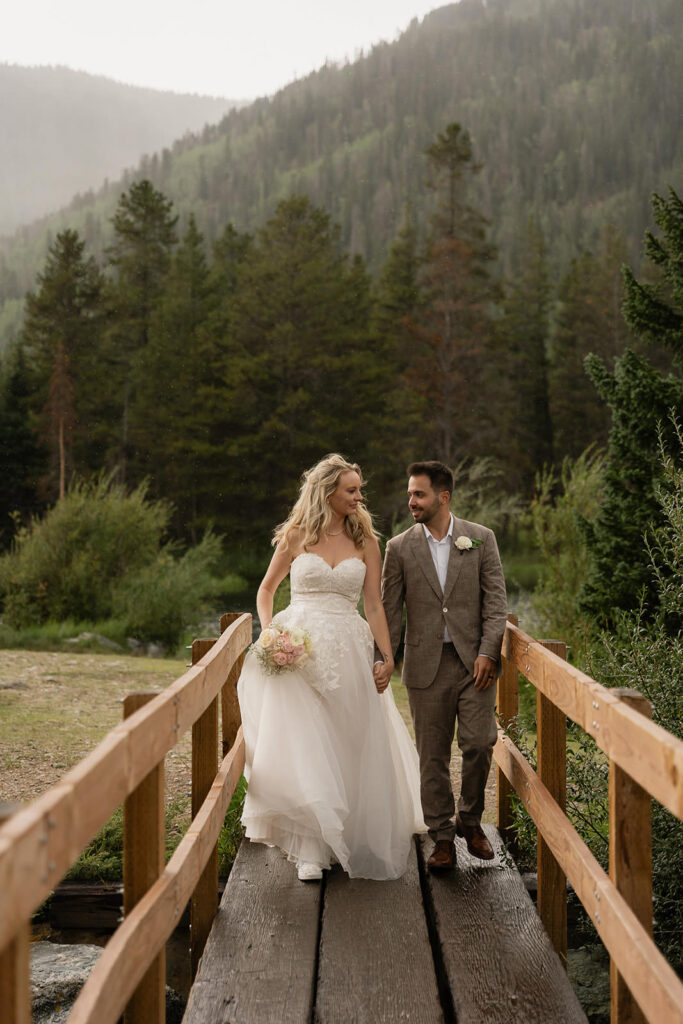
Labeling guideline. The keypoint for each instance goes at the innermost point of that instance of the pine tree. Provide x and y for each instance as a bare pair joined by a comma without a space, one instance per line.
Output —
299,372
169,423
58,418
588,321
454,333
523,392
641,400
397,300
22,460
145,233
63,326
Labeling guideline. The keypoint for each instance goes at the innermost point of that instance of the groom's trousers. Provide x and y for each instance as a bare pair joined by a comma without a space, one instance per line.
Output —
451,698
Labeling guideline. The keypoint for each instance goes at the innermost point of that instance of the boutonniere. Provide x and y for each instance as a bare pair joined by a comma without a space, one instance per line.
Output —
465,543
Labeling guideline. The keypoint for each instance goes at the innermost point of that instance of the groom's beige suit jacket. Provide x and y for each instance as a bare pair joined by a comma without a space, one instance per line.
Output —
473,604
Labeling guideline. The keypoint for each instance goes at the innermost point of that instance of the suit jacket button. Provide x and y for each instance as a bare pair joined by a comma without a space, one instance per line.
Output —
444,610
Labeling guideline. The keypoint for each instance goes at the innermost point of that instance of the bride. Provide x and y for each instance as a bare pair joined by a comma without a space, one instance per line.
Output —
331,769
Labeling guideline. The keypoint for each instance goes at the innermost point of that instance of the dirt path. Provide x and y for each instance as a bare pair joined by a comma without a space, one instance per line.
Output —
54,708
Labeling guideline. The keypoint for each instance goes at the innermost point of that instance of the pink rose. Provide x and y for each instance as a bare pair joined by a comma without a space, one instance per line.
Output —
290,657
287,646
297,650
280,658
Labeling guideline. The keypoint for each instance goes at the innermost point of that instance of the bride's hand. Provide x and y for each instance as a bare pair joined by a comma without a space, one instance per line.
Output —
382,674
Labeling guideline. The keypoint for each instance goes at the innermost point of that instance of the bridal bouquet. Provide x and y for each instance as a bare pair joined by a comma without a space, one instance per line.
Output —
279,649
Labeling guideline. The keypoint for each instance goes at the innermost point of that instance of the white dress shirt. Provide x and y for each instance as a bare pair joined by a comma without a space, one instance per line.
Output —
440,551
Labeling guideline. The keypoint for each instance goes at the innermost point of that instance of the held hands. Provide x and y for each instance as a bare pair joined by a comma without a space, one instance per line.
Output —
382,673
484,672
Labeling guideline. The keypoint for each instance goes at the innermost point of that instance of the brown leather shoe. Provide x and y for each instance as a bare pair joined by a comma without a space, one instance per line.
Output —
443,856
476,840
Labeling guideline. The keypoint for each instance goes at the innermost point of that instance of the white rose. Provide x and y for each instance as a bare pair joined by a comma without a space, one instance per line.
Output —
266,638
297,636
463,543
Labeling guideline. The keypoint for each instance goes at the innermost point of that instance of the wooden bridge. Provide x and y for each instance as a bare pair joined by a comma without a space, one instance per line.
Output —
468,947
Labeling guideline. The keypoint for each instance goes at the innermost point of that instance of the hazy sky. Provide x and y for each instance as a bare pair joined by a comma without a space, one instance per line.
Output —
219,47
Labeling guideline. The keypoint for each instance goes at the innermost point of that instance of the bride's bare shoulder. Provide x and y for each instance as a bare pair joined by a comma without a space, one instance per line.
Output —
293,543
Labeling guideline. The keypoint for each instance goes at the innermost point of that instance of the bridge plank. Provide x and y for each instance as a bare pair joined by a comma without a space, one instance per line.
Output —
375,957
259,962
500,963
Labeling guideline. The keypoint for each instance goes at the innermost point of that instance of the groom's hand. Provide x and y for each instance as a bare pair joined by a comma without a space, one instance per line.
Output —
484,672
382,675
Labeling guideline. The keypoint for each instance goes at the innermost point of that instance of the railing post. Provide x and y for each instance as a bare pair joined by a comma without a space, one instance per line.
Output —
15,963
230,709
204,903
507,705
630,859
144,842
551,735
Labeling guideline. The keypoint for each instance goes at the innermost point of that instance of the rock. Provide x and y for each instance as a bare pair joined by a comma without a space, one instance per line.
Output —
103,641
58,973
145,650
588,969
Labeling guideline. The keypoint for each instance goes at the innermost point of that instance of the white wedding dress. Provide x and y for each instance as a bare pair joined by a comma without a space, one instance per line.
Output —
331,769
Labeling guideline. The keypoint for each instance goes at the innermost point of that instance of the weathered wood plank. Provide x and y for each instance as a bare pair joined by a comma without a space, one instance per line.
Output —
499,961
231,718
376,961
144,836
204,765
260,961
15,969
551,736
630,860
507,706
653,982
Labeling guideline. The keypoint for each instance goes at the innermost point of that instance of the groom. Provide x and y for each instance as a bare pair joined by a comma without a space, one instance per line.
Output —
448,573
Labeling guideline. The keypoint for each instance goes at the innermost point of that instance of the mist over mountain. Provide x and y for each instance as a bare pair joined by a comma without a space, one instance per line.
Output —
66,131
574,111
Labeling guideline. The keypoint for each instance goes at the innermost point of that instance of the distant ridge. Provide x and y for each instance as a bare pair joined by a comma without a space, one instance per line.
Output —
574,110
66,131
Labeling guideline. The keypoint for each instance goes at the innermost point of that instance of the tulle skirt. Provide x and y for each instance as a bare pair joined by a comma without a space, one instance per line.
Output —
332,776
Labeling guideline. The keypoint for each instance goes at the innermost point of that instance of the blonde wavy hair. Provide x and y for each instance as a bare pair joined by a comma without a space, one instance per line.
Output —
312,514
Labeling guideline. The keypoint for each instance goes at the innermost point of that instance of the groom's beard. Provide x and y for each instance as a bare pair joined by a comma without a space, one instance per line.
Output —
425,515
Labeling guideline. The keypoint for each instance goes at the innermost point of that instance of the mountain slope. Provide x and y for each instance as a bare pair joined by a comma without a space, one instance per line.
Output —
66,131
573,108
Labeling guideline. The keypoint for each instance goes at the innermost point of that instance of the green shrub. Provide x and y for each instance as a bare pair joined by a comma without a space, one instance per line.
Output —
99,554
158,600
558,510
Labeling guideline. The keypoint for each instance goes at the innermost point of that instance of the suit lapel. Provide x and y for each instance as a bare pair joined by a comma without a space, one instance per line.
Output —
423,557
455,562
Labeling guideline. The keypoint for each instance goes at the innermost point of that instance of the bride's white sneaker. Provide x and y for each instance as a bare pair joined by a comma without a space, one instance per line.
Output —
308,872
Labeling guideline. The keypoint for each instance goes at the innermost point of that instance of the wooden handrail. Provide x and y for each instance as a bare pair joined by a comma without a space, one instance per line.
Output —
137,941
39,843
650,754
641,750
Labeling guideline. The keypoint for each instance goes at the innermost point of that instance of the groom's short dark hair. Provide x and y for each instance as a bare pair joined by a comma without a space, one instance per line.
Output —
440,476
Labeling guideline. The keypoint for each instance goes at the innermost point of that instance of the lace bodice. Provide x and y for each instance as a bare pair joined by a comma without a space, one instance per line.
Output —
337,589
324,602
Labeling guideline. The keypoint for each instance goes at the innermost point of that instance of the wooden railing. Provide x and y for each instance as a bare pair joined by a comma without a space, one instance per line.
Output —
644,761
39,843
